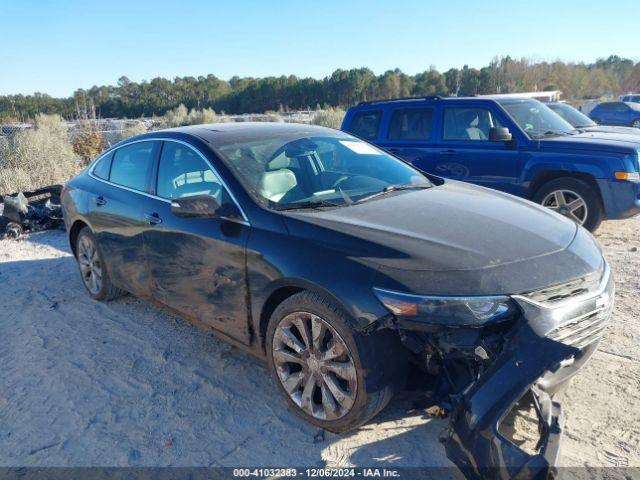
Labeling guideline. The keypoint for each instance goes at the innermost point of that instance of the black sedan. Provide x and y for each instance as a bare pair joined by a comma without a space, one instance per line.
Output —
340,265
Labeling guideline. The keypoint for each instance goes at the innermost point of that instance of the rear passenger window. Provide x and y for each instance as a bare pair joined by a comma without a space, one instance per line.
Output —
411,124
468,124
183,173
131,165
101,170
365,124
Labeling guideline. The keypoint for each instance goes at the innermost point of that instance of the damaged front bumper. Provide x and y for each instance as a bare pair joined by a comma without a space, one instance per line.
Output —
552,340
475,442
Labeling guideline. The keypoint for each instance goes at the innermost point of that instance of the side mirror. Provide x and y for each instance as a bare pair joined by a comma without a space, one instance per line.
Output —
202,206
500,134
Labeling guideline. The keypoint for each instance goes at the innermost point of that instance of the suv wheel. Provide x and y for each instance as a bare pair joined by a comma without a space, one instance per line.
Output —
636,123
333,377
573,198
92,269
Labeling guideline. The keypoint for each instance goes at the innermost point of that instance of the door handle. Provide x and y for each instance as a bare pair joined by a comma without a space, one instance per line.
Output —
100,201
393,150
152,218
447,152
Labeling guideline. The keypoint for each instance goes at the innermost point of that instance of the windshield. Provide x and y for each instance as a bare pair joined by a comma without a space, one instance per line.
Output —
306,172
571,115
536,119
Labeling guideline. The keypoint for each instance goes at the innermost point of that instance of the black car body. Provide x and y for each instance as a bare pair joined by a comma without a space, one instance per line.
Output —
495,297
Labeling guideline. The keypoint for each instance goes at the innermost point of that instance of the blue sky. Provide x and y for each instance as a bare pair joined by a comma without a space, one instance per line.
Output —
57,46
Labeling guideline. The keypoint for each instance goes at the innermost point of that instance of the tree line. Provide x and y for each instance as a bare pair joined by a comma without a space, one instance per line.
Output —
342,88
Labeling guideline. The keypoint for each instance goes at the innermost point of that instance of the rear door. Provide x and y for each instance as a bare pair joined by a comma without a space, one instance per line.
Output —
117,207
365,124
197,265
410,136
465,152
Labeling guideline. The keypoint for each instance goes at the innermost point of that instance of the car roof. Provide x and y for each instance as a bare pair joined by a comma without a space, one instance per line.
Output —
413,101
217,134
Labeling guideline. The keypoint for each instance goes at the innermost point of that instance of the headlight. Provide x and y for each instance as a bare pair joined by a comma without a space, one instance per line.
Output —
453,311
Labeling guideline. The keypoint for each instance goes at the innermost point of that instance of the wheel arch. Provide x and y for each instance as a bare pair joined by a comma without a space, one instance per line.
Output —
74,231
545,176
286,288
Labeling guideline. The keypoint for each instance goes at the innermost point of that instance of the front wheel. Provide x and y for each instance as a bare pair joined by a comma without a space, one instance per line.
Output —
573,198
636,123
333,377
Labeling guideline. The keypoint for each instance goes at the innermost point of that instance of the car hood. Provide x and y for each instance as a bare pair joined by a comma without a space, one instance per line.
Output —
611,129
595,140
454,236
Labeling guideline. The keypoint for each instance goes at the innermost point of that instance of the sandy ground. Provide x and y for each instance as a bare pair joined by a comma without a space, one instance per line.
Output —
84,383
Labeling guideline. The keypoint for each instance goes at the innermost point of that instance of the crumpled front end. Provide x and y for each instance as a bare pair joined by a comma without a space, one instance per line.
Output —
490,373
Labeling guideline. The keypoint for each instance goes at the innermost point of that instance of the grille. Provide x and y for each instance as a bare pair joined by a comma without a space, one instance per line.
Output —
558,293
584,330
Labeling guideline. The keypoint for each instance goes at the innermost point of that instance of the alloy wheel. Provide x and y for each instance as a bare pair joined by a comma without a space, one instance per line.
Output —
314,366
567,203
90,265
636,124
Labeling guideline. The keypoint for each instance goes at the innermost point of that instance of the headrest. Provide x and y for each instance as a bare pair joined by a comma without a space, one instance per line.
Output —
278,163
274,185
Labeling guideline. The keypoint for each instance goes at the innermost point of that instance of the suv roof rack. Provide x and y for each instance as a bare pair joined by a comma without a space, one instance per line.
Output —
401,99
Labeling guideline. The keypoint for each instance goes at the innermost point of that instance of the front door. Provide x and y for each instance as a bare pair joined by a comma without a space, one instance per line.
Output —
197,265
465,152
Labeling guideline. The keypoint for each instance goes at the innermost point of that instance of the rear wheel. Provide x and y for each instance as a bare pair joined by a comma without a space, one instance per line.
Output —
636,123
92,268
333,377
573,198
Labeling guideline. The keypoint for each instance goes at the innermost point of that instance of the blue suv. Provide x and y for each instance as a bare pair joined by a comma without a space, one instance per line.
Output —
515,145
617,113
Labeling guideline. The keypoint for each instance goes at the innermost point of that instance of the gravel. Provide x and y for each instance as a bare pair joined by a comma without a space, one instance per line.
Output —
125,383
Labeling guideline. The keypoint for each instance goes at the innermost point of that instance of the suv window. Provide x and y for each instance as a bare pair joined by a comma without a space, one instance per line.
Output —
365,124
183,173
411,124
468,123
101,170
131,165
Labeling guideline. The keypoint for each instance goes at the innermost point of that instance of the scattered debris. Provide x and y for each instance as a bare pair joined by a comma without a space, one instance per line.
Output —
30,211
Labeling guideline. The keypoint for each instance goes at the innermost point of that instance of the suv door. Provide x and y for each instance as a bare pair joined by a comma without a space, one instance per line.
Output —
410,136
197,265
116,212
465,152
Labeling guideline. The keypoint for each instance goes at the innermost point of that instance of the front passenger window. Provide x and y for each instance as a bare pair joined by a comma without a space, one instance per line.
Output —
468,124
184,173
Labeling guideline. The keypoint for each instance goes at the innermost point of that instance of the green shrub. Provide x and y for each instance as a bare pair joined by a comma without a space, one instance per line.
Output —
329,117
37,157
198,117
87,144
136,129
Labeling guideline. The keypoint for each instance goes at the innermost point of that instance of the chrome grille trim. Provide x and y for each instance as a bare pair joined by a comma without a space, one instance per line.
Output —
593,292
569,290
584,330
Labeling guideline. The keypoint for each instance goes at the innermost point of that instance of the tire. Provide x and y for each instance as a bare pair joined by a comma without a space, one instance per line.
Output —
573,188
90,263
379,364
636,123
